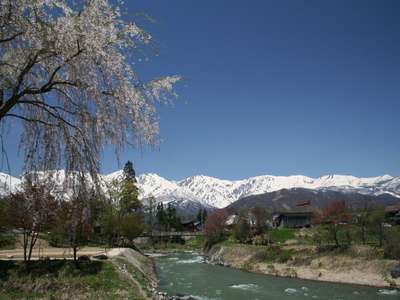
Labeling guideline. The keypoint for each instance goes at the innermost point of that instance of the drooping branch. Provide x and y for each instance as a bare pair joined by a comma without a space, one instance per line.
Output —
15,96
9,39
68,73
29,120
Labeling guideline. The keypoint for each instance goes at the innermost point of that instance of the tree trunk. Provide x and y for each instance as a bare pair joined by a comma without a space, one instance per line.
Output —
335,232
380,235
32,244
363,238
75,251
25,245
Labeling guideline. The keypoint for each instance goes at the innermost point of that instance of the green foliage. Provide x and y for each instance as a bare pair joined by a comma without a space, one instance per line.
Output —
110,223
274,254
3,213
195,243
129,171
132,226
62,279
261,239
161,215
281,235
7,241
128,197
391,245
202,215
168,218
173,221
375,224
122,217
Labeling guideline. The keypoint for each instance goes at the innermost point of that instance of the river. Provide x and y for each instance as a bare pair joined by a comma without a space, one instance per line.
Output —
187,273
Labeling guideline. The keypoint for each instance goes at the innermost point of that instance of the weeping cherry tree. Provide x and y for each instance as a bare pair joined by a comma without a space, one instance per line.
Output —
67,73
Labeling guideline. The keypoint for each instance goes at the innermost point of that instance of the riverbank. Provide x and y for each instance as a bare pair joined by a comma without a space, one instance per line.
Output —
121,273
353,265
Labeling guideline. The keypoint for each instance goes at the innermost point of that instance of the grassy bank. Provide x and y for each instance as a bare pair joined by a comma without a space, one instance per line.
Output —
364,265
194,244
63,279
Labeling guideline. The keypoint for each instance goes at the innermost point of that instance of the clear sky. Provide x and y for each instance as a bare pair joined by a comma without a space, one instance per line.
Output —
273,87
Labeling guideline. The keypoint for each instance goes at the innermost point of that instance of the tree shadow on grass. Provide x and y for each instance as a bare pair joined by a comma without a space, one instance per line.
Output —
5,267
51,268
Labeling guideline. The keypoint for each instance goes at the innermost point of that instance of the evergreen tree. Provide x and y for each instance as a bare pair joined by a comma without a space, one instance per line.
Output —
129,171
129,193
160,215
173,221
151,201
202,216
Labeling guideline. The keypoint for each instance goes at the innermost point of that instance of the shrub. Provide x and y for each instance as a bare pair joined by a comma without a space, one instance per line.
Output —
214,227
277,254
7,241
391,246
241,231
261,239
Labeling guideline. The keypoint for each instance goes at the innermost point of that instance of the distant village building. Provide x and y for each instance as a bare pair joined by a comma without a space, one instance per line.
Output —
298,217
191,226
292,219
231,221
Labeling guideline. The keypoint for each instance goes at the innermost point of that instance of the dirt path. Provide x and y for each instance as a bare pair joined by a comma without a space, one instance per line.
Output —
50,252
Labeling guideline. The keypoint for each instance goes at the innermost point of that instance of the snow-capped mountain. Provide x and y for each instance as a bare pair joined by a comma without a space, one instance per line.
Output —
220,193
213,192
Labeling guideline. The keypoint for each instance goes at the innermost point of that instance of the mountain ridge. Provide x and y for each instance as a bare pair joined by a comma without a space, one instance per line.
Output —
214,192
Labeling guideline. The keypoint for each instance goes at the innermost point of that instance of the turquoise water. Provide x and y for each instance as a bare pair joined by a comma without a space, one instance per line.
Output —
186,273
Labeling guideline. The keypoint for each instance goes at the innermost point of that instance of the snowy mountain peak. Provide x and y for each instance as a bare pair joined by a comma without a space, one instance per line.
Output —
214,192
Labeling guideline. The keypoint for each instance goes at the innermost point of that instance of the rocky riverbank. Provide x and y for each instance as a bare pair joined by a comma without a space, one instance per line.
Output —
355,265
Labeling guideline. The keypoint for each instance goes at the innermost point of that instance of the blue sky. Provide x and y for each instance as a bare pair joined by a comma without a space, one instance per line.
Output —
273,87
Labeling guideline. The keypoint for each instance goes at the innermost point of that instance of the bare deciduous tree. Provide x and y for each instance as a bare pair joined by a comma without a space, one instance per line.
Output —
215,225
67,72
31,210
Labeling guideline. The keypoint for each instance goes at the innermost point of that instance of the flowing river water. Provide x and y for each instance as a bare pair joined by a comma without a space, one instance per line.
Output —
187,273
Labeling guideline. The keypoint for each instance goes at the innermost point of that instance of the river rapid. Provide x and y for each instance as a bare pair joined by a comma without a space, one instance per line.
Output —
187,273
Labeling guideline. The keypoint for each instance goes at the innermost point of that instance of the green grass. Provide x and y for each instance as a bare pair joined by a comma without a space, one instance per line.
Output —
281,235
7,241
277,254
62,279
195,243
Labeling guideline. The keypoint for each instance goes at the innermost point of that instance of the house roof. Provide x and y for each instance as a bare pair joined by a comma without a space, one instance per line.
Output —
297,213
392,208
232,220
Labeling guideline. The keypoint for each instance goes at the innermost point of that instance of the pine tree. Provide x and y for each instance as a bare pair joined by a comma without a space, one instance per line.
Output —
129,193
160,215
129,171
202,216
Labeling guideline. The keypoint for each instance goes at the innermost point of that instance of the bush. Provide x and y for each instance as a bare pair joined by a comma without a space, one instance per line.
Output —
261,239
7,241
391,246
277,254
241,231
214,227
56,239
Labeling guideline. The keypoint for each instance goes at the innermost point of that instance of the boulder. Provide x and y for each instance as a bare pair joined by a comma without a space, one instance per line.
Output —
100,256
83,258
395,272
